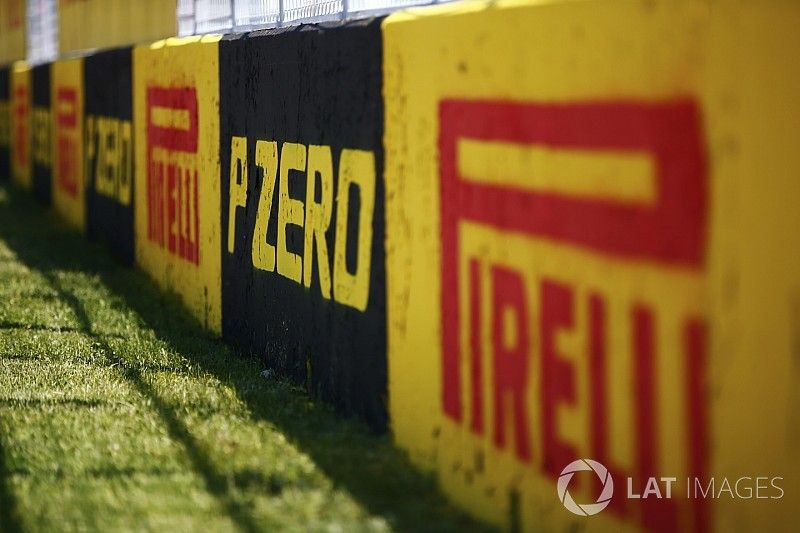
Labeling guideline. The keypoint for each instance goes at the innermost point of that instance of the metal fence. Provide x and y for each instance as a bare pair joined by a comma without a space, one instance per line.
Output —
222,16
41,31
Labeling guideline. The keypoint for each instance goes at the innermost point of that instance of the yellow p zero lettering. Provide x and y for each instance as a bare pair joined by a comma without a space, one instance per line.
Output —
125,181
267,159
109,157
41,136
90,144
104,179
293,157
107,162
318,216
111,153
356,167
238,185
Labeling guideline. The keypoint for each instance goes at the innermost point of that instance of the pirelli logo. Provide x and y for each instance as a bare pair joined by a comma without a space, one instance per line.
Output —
67,138
571,237
20,111
172,188
15,14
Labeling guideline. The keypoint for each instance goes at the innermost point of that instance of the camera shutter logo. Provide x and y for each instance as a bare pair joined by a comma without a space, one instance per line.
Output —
586,509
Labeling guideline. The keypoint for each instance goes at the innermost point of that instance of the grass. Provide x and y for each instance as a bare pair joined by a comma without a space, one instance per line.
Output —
117,412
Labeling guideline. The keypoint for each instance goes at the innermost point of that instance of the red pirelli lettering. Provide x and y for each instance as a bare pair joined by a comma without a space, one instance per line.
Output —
21,110
671,232
66,106
476,353
510,358
667,230
557,376
172,187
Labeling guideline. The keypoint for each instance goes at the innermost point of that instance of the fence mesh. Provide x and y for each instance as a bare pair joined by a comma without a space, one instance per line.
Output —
42,31
221,16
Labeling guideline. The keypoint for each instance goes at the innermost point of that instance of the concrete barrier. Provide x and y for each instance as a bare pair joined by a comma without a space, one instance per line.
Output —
67,100
12,31
21,124
302,208
177,185
109,150
566,231
90,24
589,255
42,134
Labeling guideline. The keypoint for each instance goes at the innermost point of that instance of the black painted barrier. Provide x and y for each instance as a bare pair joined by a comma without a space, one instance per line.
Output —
109,151
42,133
301,119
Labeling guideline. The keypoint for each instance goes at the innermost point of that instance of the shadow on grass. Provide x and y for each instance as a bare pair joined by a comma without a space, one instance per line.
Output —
367,466
9,514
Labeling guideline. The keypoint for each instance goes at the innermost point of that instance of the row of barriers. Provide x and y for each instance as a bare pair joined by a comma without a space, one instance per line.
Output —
39,30
516,234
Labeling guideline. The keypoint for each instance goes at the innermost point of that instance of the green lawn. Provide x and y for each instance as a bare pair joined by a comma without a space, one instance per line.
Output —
117,412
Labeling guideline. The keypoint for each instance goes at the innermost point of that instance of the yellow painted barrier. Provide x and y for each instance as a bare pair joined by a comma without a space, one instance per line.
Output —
592,253
21,106
66,99
177,187
85,24
12,31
